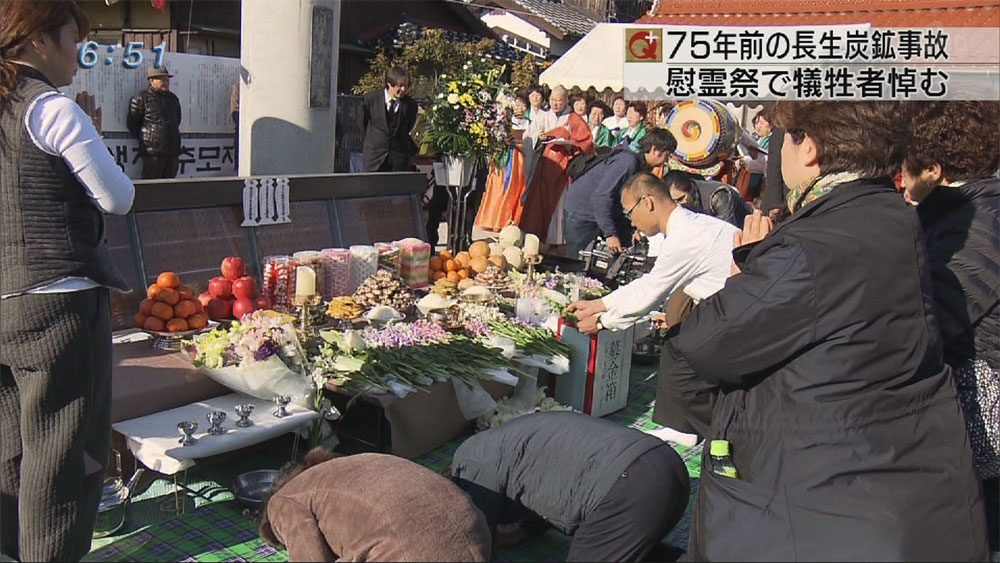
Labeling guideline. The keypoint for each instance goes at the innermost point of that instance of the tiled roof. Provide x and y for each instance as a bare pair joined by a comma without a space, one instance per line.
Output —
879,13
564,17
408,32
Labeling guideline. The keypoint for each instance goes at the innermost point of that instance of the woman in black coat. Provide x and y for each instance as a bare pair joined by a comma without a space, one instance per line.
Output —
842,418
950,170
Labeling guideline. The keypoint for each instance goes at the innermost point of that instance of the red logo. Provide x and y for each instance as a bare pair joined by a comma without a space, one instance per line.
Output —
644,45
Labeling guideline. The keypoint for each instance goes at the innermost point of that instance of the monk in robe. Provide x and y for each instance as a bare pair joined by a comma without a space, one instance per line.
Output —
563,135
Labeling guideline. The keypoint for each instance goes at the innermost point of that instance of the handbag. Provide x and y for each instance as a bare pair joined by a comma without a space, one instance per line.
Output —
979,394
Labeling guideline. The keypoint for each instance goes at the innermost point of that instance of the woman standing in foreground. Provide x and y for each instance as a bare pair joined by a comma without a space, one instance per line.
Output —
842,419
56,181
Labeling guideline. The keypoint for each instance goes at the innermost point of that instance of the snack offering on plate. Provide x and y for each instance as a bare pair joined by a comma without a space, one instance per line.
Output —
344,308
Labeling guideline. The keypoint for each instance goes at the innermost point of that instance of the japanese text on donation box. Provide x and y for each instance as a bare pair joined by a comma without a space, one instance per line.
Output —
837,62
598,378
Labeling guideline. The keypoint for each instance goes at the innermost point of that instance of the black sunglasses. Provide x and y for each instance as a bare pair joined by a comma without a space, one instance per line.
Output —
628,214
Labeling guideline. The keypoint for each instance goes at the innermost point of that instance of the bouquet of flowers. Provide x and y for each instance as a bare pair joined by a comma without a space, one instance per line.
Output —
471,115
260,356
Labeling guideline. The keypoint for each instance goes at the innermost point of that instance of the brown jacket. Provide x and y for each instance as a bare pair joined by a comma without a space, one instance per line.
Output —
375,507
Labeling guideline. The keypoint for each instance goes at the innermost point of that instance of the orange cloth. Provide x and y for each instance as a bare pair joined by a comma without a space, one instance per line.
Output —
659,171
549,182
502,199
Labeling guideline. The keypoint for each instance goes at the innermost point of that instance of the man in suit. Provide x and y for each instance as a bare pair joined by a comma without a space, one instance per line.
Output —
387,117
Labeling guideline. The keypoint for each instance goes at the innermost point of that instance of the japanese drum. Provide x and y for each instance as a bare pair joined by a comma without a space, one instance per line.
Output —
706,132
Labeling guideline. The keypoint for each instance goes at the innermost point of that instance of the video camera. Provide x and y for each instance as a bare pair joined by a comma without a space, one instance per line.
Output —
616,269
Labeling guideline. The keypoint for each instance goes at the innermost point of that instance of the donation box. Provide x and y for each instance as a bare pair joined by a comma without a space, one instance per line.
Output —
597,382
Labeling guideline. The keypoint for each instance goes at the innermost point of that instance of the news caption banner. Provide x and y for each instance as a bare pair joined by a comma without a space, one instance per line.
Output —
203,84
842,62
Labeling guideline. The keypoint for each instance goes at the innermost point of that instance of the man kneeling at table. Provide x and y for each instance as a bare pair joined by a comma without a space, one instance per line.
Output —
371,507
616,490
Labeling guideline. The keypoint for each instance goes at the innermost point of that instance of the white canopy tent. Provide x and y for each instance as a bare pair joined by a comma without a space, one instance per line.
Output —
596,61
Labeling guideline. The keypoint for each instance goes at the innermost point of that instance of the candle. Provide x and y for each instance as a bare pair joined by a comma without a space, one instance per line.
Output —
530,245
305,281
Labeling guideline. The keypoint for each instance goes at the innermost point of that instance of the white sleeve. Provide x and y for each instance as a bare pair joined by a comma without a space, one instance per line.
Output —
671,271
60,127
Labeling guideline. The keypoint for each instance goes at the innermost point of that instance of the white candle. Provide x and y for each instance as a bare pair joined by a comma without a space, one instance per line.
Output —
305,281
530,245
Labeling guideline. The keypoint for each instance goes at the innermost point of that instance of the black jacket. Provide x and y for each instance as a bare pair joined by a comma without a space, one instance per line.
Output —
155,119
384,133
721,201
962,229
843,420
775,189
595,196
557,464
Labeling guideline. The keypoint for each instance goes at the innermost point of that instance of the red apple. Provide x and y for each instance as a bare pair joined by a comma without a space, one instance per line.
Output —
243,306
245,288
220,287
204,298
233,267
262,303
219,309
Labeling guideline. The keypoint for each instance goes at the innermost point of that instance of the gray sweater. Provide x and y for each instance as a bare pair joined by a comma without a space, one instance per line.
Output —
557,464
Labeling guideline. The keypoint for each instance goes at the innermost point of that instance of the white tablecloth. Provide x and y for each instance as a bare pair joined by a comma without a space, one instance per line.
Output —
153,439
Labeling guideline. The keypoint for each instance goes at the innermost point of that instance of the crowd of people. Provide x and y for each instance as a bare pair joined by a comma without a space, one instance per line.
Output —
839,338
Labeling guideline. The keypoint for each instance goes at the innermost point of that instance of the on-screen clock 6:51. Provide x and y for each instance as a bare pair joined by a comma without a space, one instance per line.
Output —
88,56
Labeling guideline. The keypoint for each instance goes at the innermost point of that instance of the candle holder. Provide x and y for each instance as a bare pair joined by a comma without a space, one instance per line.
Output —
215,420
307,305
187,429
243,411
282,402
532,261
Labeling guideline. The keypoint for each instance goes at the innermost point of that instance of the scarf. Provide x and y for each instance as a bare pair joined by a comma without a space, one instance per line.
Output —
817,187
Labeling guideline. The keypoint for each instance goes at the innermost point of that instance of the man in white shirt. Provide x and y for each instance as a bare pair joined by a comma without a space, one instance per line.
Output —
695,257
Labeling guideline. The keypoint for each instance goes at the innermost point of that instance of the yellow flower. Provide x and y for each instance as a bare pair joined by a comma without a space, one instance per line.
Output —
467,100
453,86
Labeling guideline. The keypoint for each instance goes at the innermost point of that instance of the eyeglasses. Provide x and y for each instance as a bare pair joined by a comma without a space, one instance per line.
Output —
628,214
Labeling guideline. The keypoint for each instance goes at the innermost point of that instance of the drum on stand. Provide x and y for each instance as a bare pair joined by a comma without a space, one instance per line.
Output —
706,132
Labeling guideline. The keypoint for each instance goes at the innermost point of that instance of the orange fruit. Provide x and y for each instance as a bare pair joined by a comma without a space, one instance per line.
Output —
185,292
453,276
446,254
146,306
438,275
185,308
167,295
168,279
463,273
451,266
154,324
139,320
197,321
177,325
151,290
435,263
162,311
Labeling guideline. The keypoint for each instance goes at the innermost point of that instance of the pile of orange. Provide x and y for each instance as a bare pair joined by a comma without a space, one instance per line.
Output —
170,307
465,264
